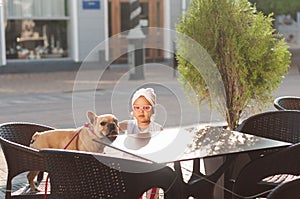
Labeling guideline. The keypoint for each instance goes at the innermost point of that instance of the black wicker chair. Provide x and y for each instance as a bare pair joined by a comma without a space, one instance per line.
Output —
75,174
288,190
277,125
287,103
260,176
15,139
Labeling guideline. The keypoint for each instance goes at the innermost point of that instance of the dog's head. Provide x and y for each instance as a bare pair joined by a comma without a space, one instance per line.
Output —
104,125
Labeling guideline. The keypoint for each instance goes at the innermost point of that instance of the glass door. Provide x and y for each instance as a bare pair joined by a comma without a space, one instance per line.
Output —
151,16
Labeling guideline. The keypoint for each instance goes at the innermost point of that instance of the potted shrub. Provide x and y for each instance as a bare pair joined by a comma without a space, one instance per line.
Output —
250,56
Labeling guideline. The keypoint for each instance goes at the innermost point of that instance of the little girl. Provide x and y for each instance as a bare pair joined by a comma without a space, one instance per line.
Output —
143,110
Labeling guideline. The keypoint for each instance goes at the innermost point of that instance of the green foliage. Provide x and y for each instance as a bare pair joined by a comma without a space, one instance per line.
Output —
250,56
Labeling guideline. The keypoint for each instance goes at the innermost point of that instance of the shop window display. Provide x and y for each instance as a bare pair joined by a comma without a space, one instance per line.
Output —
36,39
36,29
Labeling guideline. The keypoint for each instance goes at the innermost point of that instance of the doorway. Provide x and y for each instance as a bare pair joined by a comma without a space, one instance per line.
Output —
151,16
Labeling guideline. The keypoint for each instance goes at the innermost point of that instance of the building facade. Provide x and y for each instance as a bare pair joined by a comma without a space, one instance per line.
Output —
46,31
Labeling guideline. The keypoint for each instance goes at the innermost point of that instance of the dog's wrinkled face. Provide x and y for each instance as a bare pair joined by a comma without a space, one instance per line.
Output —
104,125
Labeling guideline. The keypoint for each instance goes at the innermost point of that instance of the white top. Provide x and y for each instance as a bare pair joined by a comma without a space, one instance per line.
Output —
132,127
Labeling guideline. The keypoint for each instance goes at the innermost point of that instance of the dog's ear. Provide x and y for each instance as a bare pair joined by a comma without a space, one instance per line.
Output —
91,116
34,137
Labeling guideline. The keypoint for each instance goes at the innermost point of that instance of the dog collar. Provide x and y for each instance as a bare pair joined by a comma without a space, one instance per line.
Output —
90,127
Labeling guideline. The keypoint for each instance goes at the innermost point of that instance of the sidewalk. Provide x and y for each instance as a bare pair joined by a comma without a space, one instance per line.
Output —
51,82
63,82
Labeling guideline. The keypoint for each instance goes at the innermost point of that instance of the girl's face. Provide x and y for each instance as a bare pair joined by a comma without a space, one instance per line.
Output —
142,111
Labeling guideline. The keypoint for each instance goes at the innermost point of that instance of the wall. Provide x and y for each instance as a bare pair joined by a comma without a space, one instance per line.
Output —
2,39
91,29
173,10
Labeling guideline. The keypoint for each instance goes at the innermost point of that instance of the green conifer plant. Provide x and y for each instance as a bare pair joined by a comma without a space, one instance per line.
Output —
248,53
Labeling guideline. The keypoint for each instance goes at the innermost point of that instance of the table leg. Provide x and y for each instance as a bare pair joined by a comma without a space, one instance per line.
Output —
196,170
211,167
199,185
204,185
180,182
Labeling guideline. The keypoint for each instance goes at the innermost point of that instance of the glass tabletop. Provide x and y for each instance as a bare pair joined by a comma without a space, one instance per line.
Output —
179,144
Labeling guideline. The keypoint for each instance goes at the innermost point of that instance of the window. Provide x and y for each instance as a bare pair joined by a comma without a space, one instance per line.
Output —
36,29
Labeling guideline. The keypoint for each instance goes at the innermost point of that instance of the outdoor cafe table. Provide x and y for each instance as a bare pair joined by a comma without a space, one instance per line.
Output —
181,144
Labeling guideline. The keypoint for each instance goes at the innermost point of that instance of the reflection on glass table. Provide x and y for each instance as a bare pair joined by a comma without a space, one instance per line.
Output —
181,144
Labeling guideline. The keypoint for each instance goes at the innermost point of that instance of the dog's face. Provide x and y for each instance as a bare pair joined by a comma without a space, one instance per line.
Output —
104,125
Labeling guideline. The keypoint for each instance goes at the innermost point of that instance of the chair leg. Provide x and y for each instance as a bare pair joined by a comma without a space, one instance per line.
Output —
8,187
180,184
40,177
178,171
